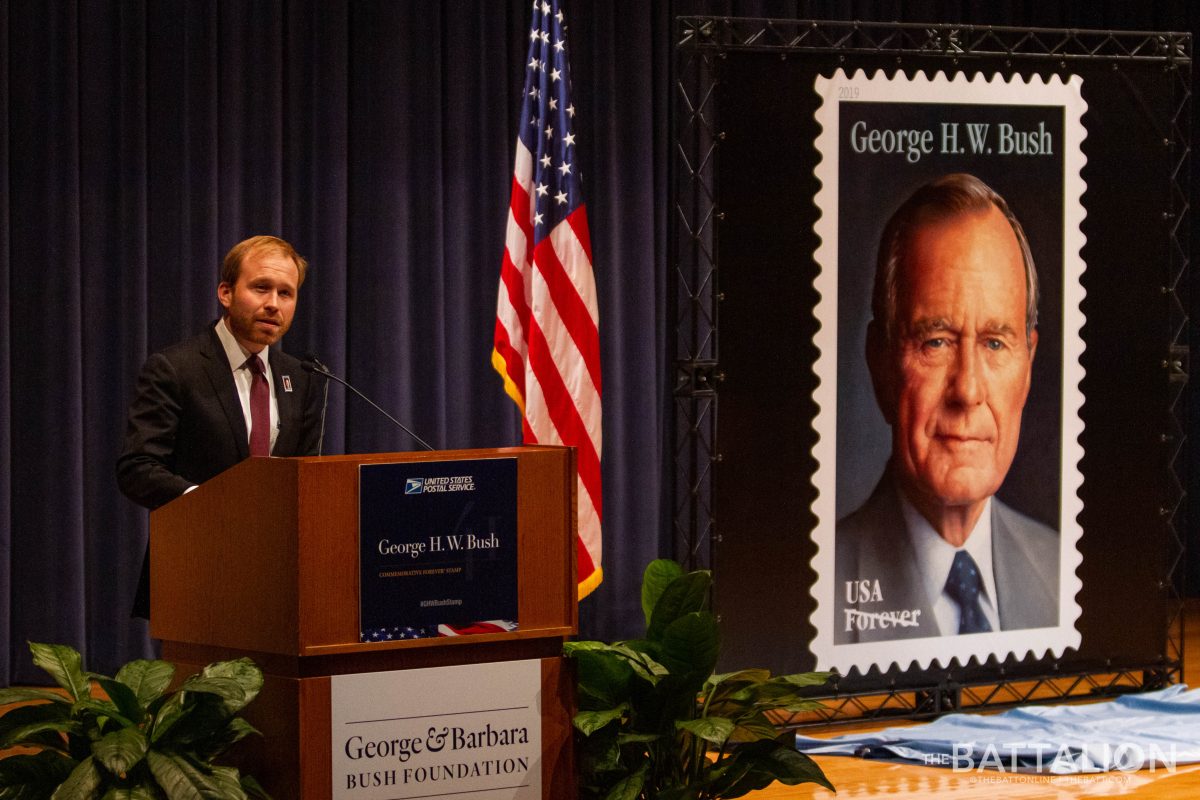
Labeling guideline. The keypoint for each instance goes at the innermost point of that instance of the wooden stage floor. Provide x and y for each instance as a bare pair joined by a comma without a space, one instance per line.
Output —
857,778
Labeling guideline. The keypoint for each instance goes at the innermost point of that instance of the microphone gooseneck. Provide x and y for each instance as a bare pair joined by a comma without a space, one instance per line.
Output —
310,357
312,364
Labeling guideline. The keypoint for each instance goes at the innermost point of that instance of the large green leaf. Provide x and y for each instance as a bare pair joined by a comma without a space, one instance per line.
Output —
797,706
16,695
792,767
228,689
658,576
33,734
82,784
231,731
685,595
787,692
23,716
597,754
762,763
803,679
64,664
207,720
571,648
101,708
148,679
638,738
33,777
740,774
690,646
642,662
711,729
175,776
171,712
717,777
206,732
657,707
245,673
588,722
123,698
728,695
236,730
737,678
121,749
228,783
629,787
603,679
753,728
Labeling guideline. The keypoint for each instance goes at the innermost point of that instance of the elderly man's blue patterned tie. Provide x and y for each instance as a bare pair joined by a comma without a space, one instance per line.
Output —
963,586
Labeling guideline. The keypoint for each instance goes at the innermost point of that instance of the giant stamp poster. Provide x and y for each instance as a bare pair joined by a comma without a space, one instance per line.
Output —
949,369
437,548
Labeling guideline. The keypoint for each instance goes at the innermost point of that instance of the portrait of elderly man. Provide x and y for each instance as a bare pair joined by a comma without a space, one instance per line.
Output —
950,350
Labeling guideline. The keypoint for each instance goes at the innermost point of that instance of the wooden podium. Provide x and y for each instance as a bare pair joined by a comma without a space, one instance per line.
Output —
262,561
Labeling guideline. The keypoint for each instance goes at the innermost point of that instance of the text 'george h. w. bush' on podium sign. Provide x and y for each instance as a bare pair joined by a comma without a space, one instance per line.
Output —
437,548
351,580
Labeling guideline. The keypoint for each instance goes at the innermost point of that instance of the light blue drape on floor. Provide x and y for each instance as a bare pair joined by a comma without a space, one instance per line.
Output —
1148,731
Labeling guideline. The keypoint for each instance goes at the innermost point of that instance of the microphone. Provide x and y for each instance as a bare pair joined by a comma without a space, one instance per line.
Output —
324,401
313,364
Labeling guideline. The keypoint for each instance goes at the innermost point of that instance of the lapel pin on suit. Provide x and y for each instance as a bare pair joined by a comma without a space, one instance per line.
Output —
287,382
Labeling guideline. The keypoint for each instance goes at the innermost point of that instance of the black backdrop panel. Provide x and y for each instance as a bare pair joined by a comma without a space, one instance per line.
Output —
763,486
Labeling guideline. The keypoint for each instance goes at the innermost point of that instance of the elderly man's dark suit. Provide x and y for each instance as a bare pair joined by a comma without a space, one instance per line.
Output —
872,544
186,424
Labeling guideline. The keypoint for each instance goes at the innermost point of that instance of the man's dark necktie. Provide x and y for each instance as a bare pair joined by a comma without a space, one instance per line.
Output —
260,408
963,586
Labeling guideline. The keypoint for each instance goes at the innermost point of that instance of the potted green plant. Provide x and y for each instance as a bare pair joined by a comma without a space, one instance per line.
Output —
655,722
141,743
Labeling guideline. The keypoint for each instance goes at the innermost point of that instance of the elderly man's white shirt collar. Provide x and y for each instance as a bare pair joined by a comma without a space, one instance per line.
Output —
935,556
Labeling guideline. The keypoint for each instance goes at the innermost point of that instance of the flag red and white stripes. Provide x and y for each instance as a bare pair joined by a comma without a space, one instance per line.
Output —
547,346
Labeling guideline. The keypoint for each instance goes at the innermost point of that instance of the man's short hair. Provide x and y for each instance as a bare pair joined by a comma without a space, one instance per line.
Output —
947,197
232,265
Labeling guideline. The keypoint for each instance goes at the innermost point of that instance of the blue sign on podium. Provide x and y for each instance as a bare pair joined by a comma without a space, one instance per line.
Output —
437,548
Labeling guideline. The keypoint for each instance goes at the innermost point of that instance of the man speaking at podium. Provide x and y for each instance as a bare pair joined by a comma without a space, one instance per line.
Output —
205,404
950,350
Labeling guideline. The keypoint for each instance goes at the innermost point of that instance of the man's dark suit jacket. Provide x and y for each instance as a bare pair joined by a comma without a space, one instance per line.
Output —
186,425
872,544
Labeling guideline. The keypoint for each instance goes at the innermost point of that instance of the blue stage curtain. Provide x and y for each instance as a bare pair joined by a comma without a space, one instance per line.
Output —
140,140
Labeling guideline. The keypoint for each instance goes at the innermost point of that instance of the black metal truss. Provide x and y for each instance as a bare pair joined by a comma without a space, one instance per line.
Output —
702,44
949,695
727,34
693,264
1179,214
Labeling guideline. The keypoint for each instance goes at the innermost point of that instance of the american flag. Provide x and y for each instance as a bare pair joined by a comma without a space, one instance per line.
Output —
547,345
